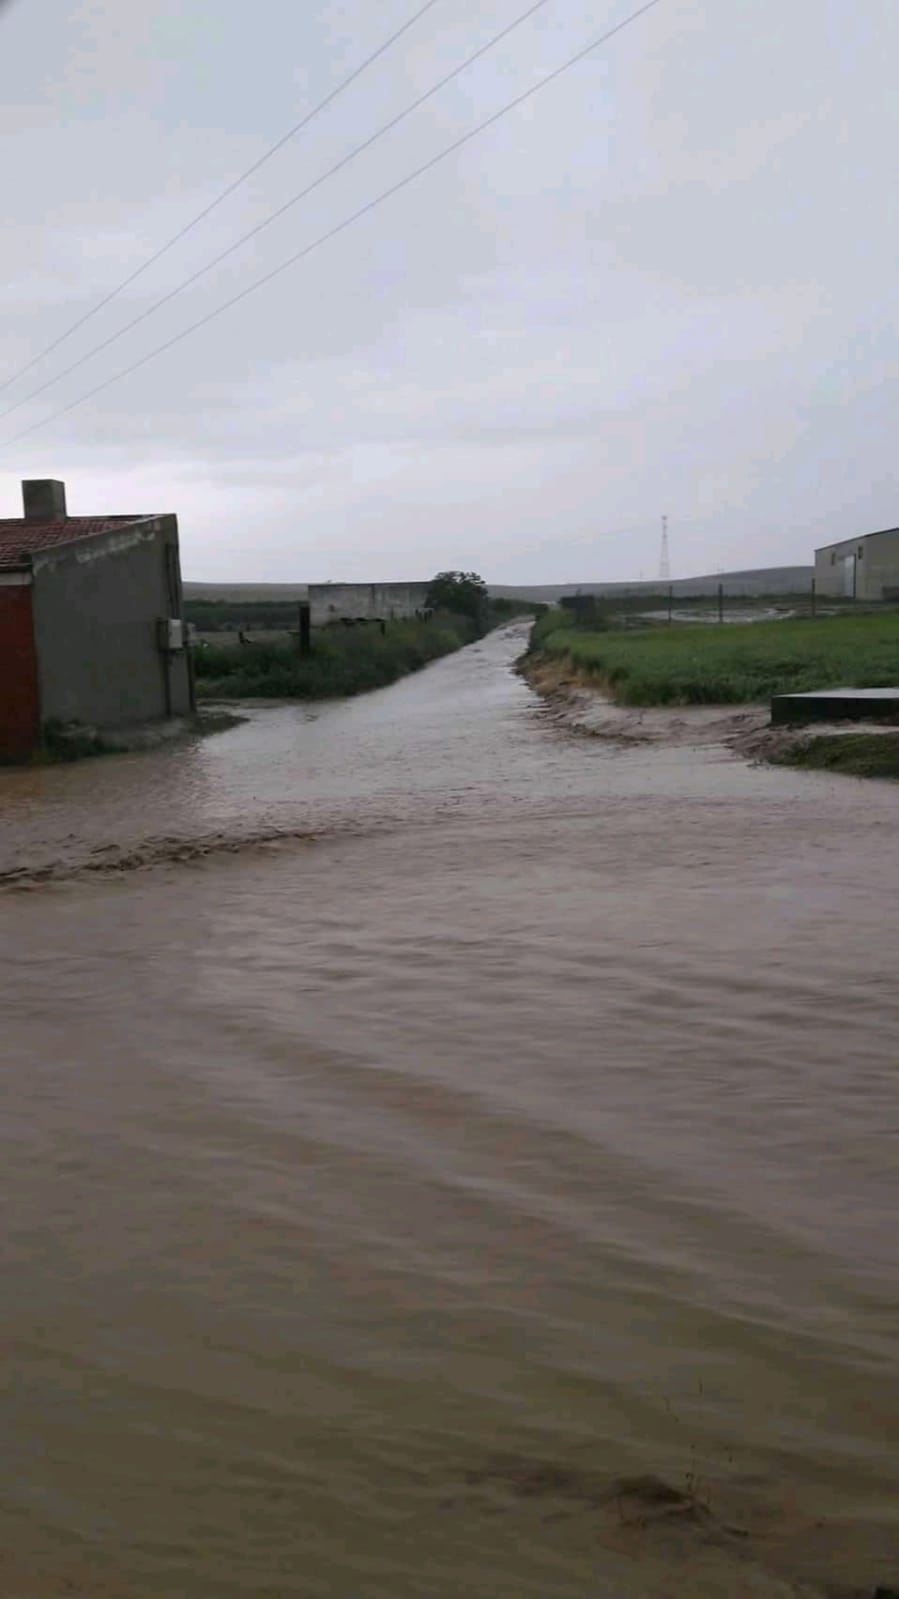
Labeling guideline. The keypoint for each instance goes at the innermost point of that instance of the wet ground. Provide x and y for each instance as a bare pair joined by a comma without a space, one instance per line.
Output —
447,1156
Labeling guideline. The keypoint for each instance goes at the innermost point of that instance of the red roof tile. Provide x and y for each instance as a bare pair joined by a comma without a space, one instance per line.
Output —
19,537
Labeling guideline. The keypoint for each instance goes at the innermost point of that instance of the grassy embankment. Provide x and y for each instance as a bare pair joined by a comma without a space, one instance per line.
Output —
742,663
343,661
852,754
736,664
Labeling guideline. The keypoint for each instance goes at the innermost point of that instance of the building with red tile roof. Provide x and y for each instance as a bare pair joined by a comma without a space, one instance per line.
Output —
92,630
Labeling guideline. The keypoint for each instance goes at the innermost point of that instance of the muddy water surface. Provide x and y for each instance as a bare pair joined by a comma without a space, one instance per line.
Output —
448,1157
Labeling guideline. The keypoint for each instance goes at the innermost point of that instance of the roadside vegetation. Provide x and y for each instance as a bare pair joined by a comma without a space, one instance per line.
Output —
75,741
850,754
226,616
737,663
342,661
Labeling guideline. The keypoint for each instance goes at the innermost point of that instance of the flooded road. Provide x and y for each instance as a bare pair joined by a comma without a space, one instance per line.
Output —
444,1156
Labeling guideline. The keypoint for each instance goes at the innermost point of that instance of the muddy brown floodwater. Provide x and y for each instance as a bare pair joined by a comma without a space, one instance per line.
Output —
444,1156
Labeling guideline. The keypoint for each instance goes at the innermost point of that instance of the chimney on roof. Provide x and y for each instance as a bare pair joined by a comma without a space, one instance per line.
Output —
44,500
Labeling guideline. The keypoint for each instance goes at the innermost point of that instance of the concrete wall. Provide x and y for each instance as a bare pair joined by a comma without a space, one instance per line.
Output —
97,603
19,709
861,568
331,602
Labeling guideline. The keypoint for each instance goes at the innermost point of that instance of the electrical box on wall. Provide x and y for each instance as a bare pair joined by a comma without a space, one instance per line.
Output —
171,634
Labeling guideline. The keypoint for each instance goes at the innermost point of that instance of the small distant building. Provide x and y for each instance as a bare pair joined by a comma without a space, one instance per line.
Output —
370,602
865,568
91,621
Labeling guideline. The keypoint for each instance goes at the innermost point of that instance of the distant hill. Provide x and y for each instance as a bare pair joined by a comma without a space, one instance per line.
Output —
746,584
246,593
763,580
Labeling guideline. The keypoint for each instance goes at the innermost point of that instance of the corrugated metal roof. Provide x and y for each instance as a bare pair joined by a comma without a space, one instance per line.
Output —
19,537
857,538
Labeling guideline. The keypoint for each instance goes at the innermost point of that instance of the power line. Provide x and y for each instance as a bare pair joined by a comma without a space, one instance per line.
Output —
214,204
340,227
266,222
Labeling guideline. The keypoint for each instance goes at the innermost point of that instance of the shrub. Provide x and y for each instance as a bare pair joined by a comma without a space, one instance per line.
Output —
342,661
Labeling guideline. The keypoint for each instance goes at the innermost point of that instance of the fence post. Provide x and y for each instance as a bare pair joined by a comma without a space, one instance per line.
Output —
304,636
720,602
670,593
814,598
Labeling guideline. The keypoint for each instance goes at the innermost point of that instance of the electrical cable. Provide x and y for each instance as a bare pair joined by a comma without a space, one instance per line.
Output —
214,204
273,216
341,227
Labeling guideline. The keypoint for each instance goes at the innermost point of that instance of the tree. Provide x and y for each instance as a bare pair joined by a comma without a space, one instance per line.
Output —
465,593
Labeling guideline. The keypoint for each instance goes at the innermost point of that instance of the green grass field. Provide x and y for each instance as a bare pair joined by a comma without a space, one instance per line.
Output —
737,663
343,661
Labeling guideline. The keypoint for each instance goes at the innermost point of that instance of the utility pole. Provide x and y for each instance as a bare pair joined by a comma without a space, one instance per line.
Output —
304,637
664,560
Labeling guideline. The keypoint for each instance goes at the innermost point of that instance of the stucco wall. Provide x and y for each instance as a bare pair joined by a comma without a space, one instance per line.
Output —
330,602
19,710
876,568
97,603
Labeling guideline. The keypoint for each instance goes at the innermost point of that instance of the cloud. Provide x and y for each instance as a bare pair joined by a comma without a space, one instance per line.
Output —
664,285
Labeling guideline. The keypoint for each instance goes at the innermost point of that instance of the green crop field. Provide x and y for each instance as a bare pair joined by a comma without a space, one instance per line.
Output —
732,664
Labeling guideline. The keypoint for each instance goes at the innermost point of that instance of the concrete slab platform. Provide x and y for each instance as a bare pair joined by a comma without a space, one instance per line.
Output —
836,705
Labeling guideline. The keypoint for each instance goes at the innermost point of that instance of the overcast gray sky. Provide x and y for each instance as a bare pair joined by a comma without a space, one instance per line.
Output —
666,284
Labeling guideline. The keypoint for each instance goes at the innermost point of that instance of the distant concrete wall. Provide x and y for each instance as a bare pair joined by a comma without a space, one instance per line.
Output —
861,568
332,602
97,604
